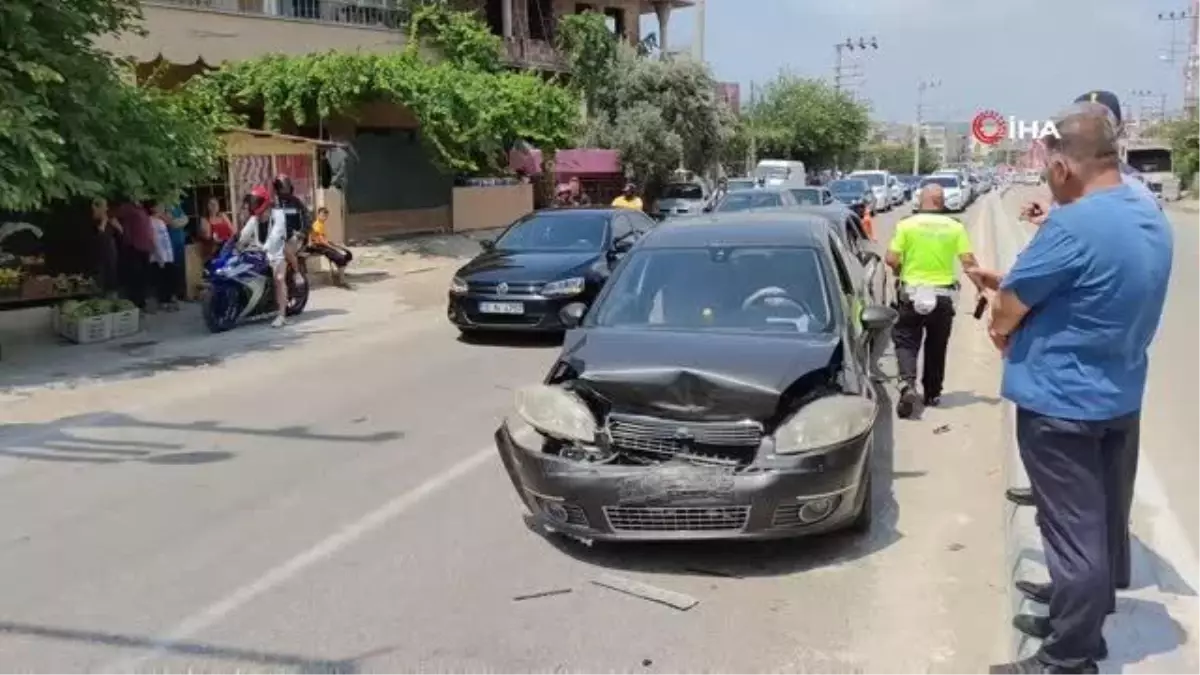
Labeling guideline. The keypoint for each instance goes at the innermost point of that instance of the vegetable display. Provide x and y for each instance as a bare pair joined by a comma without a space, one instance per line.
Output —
83,309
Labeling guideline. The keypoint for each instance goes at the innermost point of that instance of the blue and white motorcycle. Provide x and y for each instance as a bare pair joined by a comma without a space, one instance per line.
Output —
242,288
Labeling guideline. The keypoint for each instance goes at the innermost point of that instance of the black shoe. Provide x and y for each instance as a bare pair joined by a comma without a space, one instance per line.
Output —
1019,496
1039,627
1032,625
932,401
907,405
1039,593
1032,665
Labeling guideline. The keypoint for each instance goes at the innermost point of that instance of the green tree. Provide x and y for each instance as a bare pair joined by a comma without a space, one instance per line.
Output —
896,157
591,50
807,120
470,109
1184,138
72,124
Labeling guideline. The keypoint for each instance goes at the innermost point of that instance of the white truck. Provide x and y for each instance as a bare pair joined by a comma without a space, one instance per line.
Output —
781,173
1152,160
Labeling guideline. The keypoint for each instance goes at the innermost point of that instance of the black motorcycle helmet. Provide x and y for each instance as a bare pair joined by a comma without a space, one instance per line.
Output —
283,186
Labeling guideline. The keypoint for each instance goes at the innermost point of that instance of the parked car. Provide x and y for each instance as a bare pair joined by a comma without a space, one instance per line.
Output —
878,180
868,267
758,198
895,191
682,199
812,196
718,388
855,193
542,262
952,190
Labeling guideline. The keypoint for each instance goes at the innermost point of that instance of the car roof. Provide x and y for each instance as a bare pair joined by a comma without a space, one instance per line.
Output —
772,189
573,211
772,227
836,211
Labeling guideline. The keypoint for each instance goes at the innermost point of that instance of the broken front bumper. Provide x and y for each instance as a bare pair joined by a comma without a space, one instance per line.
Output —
774,497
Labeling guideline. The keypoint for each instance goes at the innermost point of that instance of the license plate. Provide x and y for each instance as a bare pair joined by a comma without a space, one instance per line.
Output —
502,308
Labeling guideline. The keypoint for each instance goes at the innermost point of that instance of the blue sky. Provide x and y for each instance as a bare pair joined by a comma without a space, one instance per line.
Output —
1026,58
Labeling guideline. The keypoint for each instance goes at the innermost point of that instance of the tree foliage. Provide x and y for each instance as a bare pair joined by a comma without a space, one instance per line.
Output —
897,158
72,124
660,114
806,120
470,109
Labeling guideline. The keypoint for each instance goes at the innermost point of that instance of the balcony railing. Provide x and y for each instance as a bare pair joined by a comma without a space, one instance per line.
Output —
390,14
530,53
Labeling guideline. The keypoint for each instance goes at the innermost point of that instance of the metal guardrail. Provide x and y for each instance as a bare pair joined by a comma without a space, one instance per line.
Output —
390,14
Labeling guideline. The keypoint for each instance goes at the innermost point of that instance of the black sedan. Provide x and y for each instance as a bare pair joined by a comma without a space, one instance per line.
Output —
541,263
718,388
854,193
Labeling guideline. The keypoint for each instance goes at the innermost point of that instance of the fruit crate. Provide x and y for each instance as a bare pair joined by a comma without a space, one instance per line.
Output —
126,323
85,330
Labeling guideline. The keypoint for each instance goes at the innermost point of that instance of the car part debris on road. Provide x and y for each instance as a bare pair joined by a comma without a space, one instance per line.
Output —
647,592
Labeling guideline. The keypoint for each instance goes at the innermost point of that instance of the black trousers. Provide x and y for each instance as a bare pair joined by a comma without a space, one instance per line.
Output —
135,275
338,256
931,331
1079,474
166,281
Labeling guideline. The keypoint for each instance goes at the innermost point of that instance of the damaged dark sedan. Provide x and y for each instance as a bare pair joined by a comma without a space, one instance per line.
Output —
718,388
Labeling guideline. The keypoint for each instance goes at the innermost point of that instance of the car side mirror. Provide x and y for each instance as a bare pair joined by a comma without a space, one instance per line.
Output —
571,315
878,318
487,244
623,244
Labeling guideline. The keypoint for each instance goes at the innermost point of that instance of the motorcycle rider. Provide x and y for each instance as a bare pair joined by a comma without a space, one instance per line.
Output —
298,220
266,230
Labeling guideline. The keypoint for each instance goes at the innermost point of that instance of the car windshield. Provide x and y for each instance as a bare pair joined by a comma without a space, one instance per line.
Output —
743,184
556,231
852,188
733,289
807,196
683,191
873,179
944,181
751,199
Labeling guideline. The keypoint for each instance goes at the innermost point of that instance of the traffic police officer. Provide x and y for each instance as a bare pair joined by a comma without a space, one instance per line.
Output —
922,253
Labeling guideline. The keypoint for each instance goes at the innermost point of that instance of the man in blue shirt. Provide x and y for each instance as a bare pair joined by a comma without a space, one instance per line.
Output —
1075,317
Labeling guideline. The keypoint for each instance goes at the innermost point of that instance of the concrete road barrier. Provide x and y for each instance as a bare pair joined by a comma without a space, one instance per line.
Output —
1023,550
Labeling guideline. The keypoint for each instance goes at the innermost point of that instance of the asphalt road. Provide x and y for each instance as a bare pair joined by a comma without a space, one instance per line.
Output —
336,505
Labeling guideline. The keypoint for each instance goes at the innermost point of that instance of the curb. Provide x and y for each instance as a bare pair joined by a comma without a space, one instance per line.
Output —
1024,558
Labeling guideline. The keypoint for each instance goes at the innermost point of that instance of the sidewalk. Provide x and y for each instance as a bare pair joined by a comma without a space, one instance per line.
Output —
390,279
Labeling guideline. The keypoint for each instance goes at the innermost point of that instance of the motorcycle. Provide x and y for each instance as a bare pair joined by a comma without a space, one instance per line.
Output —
242,288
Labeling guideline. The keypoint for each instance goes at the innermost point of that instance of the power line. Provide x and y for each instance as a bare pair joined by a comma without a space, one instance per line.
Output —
1175,50
922,87
843,73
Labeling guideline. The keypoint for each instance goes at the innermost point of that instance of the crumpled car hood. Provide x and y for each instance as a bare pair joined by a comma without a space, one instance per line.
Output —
693,376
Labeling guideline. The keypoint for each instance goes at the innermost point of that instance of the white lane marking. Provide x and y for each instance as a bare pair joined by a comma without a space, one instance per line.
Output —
286,571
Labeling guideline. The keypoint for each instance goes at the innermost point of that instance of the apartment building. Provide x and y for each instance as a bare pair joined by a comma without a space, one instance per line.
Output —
392,186
947,141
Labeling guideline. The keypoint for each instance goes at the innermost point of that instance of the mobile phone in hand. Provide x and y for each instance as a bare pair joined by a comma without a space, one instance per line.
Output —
980,306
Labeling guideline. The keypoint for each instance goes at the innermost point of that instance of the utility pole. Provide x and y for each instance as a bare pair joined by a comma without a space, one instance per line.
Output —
701,12
922,86
1191,61
752,157
862,44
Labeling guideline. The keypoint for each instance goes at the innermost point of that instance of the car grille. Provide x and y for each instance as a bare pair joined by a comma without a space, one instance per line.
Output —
677,519
730,443
514,288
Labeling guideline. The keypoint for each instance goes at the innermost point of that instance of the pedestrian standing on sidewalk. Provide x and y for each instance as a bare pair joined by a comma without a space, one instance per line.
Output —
1075,317
923,254
137,243
162,260
107,247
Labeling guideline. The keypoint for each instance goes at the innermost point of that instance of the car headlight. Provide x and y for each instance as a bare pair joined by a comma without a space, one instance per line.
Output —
458,286
556,412
825,422
572,286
